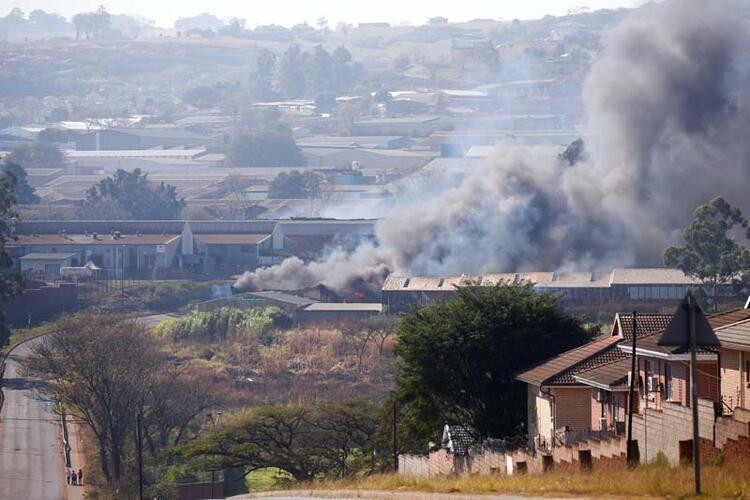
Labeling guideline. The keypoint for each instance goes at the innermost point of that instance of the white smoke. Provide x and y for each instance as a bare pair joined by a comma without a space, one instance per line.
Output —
665,106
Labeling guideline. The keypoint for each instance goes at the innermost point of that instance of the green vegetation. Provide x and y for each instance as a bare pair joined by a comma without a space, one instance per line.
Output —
268,479
219,324
273,148
314,441
9,284
457,359
24,192
711,252
295,185
129,195
168,296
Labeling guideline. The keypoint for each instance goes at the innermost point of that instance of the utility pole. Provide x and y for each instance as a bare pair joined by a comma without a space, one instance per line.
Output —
694,394
631,458
122,275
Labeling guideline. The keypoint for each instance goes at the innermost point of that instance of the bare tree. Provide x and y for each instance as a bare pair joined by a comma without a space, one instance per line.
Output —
101,369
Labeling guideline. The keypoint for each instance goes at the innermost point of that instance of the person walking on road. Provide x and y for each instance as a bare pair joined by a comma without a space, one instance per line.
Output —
67,474
73,478
80,477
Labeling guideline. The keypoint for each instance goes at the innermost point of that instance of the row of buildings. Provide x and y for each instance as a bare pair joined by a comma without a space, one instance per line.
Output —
401,293
163,248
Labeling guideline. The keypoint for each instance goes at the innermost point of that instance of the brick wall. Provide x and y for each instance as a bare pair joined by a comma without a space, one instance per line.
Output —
662,430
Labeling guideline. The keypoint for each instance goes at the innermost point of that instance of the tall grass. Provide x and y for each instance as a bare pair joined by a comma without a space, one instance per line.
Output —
728,480
219,324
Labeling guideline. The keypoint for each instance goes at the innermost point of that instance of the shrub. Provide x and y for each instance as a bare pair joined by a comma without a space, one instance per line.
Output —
168,296
217,325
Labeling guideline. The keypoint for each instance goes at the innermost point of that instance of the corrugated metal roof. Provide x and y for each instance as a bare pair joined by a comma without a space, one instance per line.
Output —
353,306
47,256
644,276
736,334
82,239
232,239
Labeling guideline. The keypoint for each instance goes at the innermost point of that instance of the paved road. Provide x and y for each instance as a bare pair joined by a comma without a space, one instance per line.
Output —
31,459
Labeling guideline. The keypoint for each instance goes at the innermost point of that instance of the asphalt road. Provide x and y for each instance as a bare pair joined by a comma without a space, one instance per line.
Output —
31,459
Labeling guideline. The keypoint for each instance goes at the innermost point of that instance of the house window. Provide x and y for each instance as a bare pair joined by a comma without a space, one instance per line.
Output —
668,381
747,372
650,377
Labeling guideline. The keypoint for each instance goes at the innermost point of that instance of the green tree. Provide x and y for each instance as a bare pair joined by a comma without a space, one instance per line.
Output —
457,359
295,185
265,149
23,191
129,195
261,81
325,102
328,440
9,283
290,74
710,253
37,155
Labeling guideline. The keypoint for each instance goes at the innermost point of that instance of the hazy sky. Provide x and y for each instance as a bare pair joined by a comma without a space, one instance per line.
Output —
289,12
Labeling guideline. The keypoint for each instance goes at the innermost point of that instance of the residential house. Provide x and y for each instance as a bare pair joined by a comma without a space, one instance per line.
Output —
660,422
569,394
47,264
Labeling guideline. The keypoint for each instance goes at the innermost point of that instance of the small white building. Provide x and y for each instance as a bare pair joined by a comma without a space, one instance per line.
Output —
48,264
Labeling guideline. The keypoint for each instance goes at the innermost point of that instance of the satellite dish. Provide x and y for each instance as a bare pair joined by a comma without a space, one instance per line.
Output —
678,331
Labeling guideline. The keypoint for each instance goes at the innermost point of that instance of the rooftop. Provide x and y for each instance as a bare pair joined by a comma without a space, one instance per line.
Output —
336,306
232,239
540,374
736,335
282,297
47,256
88,239
610,376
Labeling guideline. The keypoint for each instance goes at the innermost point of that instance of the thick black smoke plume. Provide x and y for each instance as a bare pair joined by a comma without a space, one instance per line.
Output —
667,120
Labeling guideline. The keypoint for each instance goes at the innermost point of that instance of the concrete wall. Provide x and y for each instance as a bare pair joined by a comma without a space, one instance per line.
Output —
38,304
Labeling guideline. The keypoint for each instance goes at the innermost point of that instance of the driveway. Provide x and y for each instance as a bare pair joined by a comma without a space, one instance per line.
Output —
31,457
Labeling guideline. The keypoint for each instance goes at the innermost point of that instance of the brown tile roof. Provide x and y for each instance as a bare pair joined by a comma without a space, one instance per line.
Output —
608,355
612,375
232,239
651,342
82,239
647,323
540,374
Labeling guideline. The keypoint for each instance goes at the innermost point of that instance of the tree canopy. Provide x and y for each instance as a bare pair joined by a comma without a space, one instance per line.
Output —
321,440
267,148
9,284
129,195
457,359
710,252
295,185
36,155
23,191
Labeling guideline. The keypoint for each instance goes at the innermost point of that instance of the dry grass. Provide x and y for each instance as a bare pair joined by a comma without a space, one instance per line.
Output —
725,481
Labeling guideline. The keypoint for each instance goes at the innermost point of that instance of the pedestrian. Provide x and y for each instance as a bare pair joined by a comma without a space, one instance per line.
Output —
73,478
80,477
67,474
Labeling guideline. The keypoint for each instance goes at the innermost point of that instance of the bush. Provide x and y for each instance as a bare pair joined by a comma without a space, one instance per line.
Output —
217,325
169,296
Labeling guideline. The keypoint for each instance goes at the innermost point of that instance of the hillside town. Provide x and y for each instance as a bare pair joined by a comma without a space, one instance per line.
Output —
333,259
